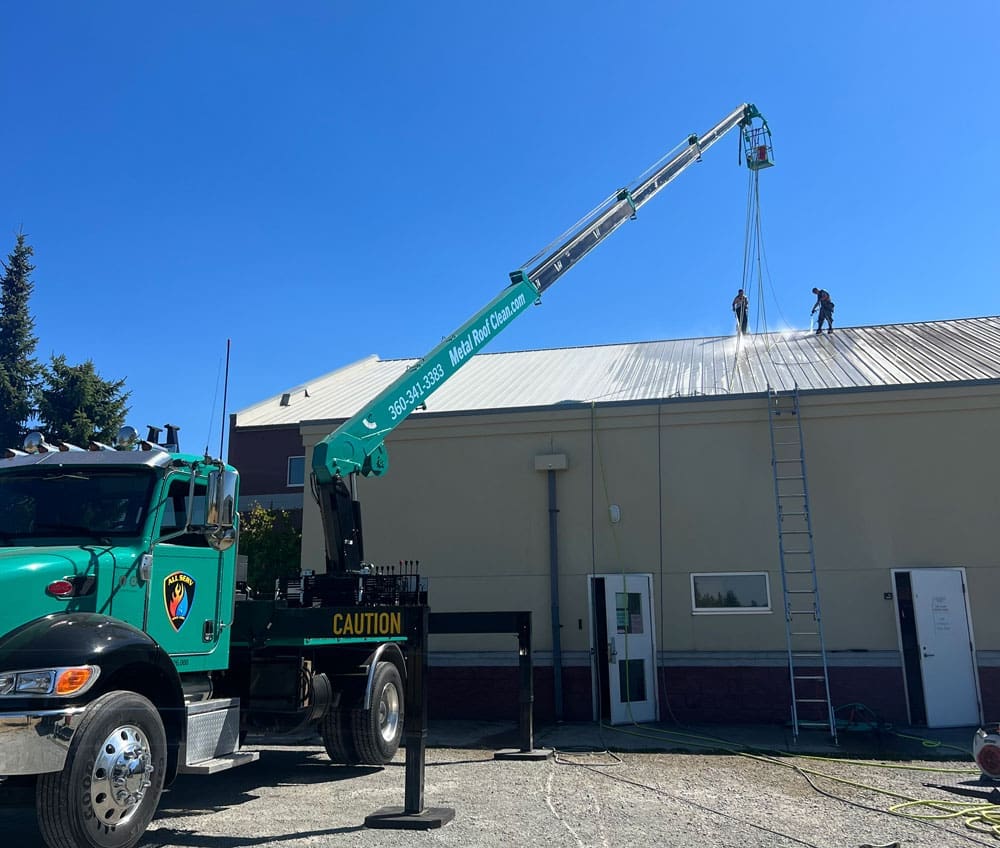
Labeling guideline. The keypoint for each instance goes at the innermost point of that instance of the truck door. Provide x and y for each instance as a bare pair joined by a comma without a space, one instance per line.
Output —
184,606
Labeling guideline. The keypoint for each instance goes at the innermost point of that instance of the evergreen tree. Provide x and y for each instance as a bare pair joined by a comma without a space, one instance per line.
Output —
76,405
19,370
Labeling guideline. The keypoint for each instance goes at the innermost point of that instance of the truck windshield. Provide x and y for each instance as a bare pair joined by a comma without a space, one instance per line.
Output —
70,503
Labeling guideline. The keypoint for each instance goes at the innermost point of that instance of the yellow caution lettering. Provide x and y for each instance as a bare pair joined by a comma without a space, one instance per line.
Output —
368,624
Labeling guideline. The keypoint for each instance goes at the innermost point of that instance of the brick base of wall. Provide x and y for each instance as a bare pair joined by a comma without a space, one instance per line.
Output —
989,687
762,695
713,694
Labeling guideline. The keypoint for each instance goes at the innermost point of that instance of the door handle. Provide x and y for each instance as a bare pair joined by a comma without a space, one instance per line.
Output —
146,568
612,652
927,653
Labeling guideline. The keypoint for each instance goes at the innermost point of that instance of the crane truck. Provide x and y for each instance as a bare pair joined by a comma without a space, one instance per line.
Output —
132,651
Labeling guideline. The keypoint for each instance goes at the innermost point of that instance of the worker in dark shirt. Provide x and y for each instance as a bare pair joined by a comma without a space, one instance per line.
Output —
741,307
825,307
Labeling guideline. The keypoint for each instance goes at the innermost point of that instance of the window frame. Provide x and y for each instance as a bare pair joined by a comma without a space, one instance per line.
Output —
288,473
696,610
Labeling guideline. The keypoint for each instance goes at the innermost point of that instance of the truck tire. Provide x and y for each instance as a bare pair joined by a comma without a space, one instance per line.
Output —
335,729
108,790
377,731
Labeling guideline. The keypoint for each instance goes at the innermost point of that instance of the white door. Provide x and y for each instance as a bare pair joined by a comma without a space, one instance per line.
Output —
944,637
631,667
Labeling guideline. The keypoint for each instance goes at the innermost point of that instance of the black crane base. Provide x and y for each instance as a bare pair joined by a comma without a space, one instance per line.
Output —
518,754
396,818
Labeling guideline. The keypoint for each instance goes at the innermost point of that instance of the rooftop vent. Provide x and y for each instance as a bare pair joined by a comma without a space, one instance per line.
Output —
286,399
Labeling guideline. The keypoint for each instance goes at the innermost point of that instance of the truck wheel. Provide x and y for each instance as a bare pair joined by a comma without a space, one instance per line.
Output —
107,792
378,730
335,729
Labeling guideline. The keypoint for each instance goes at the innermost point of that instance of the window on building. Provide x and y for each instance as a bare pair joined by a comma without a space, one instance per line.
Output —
727,592
632,680
296,471
628,607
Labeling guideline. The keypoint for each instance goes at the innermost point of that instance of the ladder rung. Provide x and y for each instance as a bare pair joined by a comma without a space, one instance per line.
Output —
802,612
789,477
809,677
799,571
813,633
796,553
796,532
800,591
790,514
810,700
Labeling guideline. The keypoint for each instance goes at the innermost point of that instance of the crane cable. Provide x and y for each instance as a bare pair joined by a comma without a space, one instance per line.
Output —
751,254
756,281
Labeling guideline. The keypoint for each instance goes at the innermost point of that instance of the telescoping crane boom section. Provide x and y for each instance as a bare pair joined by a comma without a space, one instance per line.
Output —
358,445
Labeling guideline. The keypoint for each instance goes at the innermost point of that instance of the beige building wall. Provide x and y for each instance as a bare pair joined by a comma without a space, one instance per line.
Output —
897,479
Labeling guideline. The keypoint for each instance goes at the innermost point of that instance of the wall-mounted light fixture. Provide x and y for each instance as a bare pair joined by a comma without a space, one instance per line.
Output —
615,512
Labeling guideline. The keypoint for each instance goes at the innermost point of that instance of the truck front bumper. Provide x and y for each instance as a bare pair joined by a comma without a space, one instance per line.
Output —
37,742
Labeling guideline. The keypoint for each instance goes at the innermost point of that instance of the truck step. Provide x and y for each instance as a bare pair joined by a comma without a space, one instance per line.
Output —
217,764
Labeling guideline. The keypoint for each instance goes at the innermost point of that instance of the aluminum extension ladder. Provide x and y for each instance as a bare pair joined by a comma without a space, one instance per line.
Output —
807,665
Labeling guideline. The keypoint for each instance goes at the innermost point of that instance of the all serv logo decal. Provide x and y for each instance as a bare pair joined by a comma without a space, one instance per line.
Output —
178,595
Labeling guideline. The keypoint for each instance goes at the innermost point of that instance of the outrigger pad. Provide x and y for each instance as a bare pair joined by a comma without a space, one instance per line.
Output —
517,754
396,818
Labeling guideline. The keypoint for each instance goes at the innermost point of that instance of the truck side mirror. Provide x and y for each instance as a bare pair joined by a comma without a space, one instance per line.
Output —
220,508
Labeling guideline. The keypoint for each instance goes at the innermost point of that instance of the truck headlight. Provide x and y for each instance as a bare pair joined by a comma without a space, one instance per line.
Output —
60,682
34,682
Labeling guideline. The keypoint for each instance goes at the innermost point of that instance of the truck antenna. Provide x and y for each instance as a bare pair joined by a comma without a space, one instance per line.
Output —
225,393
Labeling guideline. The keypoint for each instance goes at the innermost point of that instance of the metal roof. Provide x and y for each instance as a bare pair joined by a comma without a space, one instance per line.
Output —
932,352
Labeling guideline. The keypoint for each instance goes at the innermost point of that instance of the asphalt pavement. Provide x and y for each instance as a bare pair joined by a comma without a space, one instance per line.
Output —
649,785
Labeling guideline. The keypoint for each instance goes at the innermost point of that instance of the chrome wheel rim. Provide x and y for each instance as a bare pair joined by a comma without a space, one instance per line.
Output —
120,776
388,712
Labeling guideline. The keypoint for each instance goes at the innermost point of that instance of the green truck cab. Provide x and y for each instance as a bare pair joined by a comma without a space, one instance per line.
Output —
131,649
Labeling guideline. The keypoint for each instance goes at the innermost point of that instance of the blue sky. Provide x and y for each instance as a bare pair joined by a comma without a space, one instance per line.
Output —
323,181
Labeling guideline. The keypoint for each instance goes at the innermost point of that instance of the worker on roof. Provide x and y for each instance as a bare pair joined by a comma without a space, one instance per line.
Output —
825,307
741,308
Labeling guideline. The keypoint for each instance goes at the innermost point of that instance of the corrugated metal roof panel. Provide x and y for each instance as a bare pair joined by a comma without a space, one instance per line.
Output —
852,357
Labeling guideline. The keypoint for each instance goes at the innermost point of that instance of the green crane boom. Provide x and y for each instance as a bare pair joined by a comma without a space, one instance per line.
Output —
358,445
